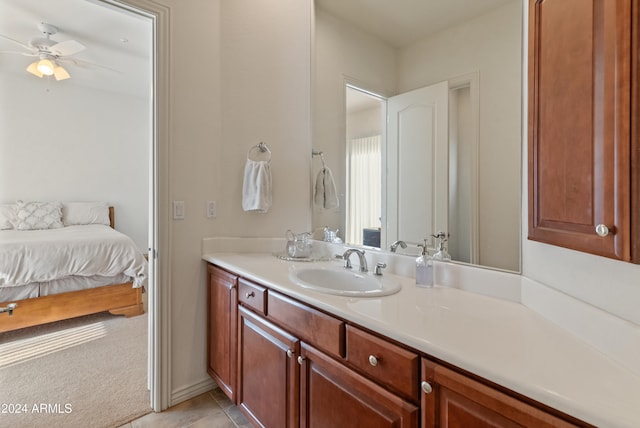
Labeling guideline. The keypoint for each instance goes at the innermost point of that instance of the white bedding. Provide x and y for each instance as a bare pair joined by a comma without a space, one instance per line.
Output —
28,256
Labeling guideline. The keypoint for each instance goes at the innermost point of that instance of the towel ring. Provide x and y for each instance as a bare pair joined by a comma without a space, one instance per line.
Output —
321,154
261,147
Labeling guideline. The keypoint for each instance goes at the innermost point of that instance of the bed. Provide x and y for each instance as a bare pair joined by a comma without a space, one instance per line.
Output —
73,264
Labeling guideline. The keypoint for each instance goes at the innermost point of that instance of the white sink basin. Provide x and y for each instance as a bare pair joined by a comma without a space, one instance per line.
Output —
344,282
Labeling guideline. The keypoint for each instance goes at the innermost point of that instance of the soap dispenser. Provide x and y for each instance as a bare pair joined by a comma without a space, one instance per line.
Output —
424,268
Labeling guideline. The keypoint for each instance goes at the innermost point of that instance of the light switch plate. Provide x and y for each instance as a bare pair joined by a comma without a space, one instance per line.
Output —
211,209
178,210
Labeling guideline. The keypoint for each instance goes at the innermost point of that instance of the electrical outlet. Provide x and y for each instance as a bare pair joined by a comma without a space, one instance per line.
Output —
211,209
178,210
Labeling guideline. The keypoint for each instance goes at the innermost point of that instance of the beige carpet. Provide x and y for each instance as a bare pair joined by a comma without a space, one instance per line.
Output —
86,372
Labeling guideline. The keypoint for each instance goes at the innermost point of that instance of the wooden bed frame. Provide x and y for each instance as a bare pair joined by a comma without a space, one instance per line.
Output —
119,299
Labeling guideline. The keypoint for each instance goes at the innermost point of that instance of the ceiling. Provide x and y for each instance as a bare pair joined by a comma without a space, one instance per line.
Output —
121,41
401,22
117,41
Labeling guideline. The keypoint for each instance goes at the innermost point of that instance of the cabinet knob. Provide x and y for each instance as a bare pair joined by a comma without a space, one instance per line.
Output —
373,360
289,353
250,294
426,387
602,230
301,360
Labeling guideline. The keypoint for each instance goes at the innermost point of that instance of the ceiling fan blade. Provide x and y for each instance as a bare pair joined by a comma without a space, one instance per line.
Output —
87,64
18,53
67,48
27,47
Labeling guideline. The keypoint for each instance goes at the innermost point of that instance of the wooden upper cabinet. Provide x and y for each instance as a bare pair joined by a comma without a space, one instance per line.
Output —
582,126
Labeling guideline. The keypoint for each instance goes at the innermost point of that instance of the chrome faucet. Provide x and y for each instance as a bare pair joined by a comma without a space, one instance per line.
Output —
9,308
394,246
361,258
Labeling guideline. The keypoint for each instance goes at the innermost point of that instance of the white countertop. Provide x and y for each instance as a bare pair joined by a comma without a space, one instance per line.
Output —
501,341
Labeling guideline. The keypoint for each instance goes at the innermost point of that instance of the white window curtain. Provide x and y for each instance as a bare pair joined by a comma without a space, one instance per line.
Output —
364,187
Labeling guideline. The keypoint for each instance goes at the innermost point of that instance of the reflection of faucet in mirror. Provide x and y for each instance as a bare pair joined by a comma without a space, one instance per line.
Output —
9,308
394,246
441,253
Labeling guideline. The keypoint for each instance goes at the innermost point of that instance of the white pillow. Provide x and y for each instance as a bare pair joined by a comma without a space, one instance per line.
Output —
7,216
81,213
38,215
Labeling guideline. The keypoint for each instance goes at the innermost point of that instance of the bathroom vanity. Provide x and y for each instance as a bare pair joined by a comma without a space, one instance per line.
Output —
289,356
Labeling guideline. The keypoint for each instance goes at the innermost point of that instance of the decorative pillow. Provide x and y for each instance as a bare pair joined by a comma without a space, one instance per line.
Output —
76,213
7,216
38,215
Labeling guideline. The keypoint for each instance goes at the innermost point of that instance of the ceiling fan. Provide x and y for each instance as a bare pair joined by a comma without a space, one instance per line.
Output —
49,53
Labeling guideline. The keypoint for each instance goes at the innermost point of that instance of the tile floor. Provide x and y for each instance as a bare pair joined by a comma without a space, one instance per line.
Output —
211,410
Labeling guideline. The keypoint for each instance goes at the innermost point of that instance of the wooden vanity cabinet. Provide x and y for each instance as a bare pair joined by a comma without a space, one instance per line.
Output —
390,365
451,399
284,381
584,179
287,364
222,319
268,372
333,396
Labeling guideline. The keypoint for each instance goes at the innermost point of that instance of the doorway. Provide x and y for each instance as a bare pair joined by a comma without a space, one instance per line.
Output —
157,17
424,146
364,147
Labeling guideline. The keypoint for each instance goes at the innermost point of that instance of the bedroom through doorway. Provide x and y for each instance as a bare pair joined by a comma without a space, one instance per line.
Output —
88,137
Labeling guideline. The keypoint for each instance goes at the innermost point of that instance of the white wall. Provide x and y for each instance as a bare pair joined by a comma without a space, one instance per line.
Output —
491,45
69,143
245,80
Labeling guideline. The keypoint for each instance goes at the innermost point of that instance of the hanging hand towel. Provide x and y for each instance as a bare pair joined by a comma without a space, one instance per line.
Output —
256,188
325,196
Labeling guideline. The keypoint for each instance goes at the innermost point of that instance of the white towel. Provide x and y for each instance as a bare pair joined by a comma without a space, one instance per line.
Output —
256,188
325,196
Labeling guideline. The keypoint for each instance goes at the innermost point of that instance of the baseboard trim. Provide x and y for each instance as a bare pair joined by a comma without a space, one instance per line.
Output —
187,392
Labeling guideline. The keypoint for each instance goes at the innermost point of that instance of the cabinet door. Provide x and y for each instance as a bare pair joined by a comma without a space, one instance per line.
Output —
222,316
268,372
579,125
333,396
453,400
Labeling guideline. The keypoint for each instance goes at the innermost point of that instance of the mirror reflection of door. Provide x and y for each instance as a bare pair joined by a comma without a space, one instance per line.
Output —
417,161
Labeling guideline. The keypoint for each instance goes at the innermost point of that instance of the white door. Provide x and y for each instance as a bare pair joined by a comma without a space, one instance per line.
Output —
417,163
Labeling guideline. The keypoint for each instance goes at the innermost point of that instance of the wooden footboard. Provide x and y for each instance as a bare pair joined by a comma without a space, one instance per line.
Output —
120,299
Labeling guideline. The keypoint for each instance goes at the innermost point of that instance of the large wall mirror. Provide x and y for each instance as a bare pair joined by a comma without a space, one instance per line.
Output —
417,113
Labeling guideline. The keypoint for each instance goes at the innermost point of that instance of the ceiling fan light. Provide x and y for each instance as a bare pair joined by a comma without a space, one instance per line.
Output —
46,67
33,69
60,73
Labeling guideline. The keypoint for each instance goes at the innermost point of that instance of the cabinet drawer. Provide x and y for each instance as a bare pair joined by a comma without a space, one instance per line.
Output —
383,361
252,295
312,326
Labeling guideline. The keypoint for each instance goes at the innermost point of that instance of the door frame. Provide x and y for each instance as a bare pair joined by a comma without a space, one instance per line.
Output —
472,81
159,372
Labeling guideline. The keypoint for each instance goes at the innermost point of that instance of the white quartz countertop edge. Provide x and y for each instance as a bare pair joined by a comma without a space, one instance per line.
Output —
501,341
